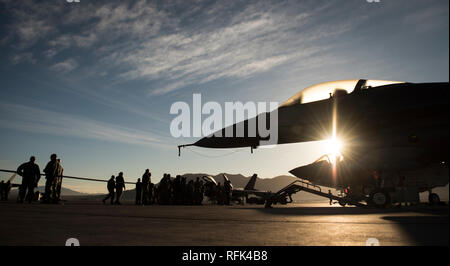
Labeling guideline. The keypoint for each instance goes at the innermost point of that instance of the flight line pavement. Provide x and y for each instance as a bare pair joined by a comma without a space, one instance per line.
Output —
313,224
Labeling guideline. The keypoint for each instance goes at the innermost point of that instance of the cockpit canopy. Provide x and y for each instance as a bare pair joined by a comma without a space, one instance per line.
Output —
209,179
324,90
330,158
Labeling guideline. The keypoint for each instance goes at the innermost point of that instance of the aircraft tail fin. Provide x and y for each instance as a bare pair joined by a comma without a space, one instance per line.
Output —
251,183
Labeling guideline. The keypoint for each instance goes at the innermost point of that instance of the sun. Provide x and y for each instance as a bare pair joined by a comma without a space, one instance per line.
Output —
333,147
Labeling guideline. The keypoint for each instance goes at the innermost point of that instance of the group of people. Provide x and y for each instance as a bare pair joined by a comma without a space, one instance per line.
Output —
169,191
116,186
221,194
179,191
176,191
31,175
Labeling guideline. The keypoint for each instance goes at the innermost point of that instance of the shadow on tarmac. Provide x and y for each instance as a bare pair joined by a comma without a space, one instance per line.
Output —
436,210
424,230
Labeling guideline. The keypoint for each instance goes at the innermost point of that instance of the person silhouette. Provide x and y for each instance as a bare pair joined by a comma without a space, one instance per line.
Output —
53,171
110,186
30,174
139,185
146,180
120,186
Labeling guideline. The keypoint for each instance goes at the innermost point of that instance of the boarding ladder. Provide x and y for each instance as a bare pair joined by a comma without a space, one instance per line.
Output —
284,195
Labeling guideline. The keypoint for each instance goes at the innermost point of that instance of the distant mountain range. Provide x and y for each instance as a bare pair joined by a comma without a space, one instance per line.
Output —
64,192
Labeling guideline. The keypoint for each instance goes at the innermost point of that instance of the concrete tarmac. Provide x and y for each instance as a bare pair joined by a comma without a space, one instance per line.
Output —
295,224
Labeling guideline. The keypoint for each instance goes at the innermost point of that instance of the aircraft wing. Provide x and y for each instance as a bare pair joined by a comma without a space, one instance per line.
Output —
244,192
262,194
297,123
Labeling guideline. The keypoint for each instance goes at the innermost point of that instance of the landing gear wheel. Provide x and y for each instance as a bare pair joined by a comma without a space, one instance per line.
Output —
342,203
380,198
434,199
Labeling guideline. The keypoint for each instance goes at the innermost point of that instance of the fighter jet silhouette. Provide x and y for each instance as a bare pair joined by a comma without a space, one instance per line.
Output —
394,135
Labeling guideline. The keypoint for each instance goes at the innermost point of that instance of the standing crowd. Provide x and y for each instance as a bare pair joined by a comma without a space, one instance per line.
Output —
31,175
169,191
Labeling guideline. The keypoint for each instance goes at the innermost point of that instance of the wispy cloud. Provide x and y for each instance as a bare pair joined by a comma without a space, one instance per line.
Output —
26,57
65,66
178,43
29,119
32,21
252,41
175,44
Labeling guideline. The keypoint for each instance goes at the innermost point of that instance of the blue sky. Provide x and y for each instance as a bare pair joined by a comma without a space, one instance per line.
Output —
94,81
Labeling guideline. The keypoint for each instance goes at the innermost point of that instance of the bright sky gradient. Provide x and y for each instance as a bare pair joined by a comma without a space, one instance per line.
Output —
94,81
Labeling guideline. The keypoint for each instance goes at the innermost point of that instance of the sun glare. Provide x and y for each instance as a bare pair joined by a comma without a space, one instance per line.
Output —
333,147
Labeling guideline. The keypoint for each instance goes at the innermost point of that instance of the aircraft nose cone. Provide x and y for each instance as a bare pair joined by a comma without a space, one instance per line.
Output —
301,172
318,172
